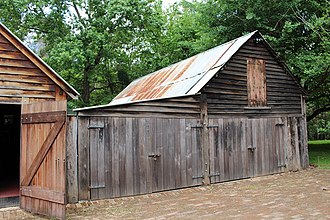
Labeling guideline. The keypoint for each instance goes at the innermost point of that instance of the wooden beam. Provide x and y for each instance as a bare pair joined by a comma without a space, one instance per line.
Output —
43,117
42,152
43,194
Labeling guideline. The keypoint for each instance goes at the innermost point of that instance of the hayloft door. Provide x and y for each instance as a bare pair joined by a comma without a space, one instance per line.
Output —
42,174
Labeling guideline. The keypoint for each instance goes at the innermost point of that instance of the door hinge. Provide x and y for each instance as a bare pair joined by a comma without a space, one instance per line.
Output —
215,174
197,126
280,166
198,177
213,126
97,187
95,126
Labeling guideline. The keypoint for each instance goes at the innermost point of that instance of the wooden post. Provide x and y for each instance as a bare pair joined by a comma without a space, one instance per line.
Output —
71,160
304,133
205,140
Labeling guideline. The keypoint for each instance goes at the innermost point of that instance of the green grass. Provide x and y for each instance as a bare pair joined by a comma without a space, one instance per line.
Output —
319,153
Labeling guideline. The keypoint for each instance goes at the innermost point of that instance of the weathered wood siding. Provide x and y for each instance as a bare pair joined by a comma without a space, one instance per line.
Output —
181,107
241,148
71,160
20,78
227,91
131,156
122,156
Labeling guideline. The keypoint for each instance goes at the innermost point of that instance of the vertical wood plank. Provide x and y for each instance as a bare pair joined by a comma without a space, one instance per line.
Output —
83,158
183,152
115,158
122,147
205,141
177,153
129,156
71,160
189,154
108,139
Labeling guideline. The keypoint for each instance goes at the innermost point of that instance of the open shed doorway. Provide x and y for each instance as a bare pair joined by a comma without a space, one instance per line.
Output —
10,154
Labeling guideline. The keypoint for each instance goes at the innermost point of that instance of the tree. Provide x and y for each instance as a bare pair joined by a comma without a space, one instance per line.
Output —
298,30
95,45
99,46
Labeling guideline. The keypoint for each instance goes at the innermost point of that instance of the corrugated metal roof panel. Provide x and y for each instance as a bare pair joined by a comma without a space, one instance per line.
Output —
186,77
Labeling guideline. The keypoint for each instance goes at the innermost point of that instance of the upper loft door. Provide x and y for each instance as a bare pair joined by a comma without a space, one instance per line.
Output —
42,171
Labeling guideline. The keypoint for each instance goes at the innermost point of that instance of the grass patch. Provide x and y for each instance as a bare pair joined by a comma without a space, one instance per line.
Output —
319,153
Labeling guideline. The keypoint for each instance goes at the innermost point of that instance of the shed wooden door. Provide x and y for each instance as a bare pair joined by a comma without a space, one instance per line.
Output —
97,161
175,155
42,173
228,152
241,148
266,144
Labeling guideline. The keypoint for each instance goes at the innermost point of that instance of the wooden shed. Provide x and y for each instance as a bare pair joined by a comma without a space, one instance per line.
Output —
232,112
33,104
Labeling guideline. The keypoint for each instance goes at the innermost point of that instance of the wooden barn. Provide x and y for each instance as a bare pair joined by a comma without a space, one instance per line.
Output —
32,130
232,112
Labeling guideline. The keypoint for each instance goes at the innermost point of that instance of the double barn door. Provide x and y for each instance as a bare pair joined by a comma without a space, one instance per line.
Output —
241,148
130,156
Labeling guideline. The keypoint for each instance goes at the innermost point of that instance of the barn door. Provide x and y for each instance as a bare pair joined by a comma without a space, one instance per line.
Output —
97,167
228,153
175,156
42,174
265,143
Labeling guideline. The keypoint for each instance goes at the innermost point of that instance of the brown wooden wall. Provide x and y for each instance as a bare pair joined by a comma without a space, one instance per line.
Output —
242,147
20,78
130,156
227,91
121,156
181,107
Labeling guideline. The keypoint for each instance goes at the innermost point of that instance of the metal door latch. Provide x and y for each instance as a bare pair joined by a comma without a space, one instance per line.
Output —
154,156
250,148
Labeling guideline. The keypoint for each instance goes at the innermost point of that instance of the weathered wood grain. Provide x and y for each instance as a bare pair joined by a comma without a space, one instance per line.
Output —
71,160
83,159
43,159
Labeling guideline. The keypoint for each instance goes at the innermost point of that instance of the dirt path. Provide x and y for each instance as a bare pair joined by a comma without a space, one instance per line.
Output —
300,195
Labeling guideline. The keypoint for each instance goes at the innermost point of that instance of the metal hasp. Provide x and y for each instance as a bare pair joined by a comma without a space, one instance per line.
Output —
154,156
250,148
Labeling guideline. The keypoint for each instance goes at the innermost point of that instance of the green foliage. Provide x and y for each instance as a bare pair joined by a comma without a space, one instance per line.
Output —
319,153
99,46
319,128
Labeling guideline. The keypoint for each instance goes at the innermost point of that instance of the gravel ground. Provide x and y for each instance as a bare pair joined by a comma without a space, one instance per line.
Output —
297,195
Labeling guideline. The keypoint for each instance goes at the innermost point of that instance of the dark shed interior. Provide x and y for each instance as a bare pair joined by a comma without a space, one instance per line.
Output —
10,150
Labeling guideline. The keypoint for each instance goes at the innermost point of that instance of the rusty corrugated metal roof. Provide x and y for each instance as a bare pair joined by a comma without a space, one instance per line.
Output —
186,77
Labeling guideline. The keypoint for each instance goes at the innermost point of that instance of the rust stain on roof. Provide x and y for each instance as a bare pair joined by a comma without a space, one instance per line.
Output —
182,78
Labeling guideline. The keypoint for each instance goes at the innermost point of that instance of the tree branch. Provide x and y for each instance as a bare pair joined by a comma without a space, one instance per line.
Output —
78,13
318,111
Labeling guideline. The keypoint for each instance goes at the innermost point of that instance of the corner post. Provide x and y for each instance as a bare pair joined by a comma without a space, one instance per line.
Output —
205,140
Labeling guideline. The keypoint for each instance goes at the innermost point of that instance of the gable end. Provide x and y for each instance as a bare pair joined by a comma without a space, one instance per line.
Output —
227,91
33,77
